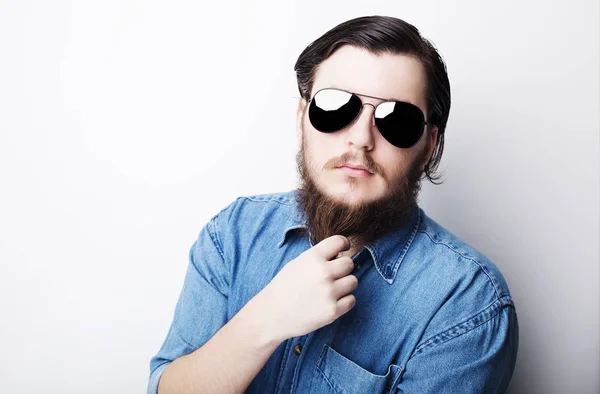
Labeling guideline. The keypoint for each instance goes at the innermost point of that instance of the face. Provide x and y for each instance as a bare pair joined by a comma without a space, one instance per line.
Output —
393,77
361,205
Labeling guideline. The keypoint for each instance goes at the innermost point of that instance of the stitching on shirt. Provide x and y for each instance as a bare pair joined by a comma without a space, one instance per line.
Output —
408,242
279,197
470,324
288,344
213,229
319,362
467,257
327,380
214,235
185,341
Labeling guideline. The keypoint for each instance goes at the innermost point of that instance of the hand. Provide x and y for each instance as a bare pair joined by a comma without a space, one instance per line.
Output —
310,291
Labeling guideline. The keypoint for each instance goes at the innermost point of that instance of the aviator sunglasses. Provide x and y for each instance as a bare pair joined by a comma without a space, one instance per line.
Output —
400,123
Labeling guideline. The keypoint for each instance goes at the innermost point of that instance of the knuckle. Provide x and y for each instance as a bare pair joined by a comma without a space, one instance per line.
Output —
343,260
352,300
326,271
332,311
350,263
331,294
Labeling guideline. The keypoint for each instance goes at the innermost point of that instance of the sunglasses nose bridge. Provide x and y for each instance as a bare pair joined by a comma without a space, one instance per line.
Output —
373,114
361,133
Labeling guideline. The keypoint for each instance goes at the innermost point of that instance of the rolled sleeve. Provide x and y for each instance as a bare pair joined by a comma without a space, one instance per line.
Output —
201,308
477,356
155,377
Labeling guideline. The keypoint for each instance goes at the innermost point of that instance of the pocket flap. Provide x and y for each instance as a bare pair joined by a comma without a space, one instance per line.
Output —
345,376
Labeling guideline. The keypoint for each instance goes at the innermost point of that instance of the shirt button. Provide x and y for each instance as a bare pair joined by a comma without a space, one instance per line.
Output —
298,349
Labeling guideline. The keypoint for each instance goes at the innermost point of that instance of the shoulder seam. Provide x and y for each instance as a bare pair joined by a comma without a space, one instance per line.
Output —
213,228
467,257
268,198
214,236
465,326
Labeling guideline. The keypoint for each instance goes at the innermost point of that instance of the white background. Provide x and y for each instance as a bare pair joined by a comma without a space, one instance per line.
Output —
125,125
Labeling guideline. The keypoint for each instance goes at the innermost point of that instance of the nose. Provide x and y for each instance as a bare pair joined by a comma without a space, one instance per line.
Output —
360,133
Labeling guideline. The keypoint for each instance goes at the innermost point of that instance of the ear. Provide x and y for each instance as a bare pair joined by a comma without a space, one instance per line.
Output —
432,142
299,114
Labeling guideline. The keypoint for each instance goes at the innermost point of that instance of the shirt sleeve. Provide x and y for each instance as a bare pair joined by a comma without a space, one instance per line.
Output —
201,309
477,356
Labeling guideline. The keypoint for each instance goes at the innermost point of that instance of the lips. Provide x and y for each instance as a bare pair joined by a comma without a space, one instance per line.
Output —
355,171
356,167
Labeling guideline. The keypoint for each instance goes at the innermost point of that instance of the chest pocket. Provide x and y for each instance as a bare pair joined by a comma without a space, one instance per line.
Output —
346,377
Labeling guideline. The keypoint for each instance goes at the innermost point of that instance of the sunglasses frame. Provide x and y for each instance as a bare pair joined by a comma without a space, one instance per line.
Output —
362,105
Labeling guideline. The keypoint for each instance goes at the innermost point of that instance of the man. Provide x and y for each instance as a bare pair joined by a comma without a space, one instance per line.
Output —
346,285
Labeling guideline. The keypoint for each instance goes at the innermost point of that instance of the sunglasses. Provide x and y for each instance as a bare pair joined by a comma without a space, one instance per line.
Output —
400,123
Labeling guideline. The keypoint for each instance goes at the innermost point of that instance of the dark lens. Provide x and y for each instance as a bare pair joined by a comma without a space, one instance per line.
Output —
402,124
331,110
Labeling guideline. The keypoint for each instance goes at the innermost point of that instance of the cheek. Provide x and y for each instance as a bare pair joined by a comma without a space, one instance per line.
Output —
320,147
394,163
312,156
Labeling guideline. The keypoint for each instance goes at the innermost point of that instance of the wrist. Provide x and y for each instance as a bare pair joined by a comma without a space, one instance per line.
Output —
258,319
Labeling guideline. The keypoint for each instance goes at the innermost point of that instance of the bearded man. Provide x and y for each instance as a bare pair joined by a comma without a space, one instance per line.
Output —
345,284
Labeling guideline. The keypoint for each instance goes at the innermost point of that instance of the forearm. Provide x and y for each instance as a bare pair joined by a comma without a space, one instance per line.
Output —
228,362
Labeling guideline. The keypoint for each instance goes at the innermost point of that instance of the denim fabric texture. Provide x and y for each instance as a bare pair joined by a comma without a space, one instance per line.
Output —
432,314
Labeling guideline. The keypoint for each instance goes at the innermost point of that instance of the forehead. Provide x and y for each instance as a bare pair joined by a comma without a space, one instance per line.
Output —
389,76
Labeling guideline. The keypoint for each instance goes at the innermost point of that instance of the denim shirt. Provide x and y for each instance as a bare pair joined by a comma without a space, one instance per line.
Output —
432,314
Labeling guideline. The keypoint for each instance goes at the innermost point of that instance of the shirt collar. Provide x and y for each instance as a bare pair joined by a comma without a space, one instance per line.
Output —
387,251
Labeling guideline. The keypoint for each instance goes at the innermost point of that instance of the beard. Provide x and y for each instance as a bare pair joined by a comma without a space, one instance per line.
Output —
362,222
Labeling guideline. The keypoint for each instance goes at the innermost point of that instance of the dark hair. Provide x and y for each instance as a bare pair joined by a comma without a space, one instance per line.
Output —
385,34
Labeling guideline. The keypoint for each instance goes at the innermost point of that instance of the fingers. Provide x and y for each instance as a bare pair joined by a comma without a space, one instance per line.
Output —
330,247
345,286
340,267
346,303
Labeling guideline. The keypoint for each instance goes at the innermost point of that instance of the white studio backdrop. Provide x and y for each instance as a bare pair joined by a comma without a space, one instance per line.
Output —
125,125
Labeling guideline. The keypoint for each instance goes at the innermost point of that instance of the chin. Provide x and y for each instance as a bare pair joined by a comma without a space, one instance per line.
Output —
353,193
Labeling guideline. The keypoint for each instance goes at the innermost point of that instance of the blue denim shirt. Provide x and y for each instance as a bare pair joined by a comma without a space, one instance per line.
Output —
432,314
